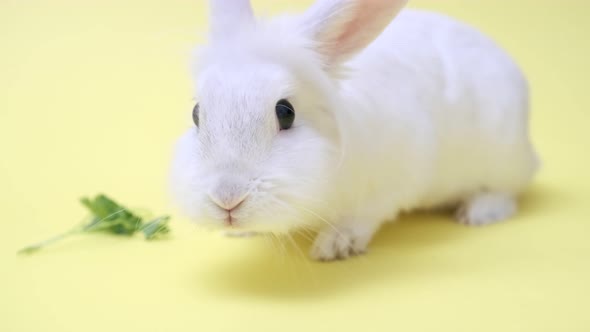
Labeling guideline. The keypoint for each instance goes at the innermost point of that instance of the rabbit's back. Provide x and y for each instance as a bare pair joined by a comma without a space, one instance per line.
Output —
455,96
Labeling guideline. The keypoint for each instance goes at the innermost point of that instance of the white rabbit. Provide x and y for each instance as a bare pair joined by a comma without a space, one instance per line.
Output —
337,120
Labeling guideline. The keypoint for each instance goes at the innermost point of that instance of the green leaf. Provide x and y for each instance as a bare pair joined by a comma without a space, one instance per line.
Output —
105,208
156,228
110,217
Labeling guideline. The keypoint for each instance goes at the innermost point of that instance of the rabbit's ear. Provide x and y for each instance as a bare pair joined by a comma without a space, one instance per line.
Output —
229,16
341,28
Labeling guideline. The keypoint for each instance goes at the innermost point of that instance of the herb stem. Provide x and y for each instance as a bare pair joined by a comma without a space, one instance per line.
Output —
32,248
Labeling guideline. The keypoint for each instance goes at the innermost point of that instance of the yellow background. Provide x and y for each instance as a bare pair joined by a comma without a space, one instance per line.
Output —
93,95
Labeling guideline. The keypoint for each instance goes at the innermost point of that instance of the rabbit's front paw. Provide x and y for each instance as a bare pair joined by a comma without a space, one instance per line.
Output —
341,242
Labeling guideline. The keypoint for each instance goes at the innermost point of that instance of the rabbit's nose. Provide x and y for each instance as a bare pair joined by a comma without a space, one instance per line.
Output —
228,195
228,203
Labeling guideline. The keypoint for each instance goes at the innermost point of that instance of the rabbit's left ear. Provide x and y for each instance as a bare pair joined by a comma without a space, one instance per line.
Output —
341,28
229,16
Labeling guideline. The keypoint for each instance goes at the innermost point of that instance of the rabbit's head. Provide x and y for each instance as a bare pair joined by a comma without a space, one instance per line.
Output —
266,144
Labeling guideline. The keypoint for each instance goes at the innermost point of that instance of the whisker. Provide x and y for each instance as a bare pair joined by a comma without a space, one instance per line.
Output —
281,246
271,240
290,209
320,218
294,243
307,236
309,212
304,257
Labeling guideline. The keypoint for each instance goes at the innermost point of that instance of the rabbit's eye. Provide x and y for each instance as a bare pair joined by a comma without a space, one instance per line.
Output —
196,114
285,114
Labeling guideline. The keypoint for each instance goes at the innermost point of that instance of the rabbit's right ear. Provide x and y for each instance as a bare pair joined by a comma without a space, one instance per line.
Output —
226,17
342,28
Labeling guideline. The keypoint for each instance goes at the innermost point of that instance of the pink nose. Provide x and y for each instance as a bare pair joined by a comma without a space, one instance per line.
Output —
228,202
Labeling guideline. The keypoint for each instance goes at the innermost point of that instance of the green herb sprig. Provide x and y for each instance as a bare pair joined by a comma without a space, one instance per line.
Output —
107,216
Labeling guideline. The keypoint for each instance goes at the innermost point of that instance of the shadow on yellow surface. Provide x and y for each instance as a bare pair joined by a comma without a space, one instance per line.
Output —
281,269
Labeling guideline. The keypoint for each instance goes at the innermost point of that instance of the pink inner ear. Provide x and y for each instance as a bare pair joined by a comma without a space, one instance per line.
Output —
360,15
369,18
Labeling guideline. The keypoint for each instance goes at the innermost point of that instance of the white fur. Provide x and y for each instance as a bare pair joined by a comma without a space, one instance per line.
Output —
486,208
430,113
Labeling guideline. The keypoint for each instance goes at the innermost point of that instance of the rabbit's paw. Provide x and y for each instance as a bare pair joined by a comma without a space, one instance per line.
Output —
486,208
341,242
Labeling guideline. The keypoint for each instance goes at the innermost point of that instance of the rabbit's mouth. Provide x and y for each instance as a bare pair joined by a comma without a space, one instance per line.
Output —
230,220
227,217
